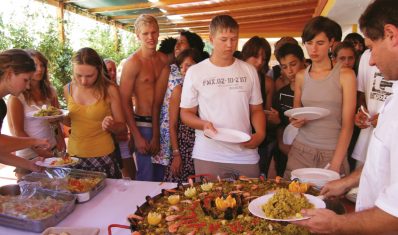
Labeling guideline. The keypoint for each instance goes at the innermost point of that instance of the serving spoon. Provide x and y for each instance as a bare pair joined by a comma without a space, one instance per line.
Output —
365,112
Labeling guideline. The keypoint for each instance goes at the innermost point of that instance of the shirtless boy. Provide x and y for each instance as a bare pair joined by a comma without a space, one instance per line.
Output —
145,74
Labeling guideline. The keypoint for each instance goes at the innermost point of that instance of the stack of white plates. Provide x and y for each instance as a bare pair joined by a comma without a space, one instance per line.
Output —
317,176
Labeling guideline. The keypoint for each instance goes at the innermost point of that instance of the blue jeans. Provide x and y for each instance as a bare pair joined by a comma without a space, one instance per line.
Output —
144,161
148,171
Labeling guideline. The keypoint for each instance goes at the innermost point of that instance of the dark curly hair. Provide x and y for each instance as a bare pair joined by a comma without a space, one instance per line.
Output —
194,40
167,45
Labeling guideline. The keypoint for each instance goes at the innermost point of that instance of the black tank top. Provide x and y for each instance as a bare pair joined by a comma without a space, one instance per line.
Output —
262,84
3,112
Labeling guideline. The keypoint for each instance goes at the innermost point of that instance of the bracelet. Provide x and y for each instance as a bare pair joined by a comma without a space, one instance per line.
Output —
176,151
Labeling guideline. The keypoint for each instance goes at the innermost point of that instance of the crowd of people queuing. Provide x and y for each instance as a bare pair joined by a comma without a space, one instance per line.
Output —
167,98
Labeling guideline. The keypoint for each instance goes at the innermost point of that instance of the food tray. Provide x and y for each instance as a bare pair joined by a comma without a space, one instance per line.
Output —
75,173
39,225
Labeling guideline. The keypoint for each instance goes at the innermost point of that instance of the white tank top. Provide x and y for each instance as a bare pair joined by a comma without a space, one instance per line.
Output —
36,128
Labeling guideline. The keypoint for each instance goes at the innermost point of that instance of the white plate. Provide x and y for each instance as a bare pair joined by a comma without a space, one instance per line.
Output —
289,134
227,135
317,176
47,162
64,113
307,113
256,204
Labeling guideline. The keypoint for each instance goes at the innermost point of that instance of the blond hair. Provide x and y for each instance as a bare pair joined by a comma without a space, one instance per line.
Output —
223,22
88,56
144,19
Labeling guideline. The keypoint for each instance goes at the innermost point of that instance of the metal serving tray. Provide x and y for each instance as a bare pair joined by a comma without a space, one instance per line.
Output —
75,173
40,225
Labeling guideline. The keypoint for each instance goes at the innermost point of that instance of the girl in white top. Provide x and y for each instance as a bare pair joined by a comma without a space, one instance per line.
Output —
22,124
16,69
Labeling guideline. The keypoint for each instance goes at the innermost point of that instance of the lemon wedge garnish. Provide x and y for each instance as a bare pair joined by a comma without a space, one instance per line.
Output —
206,186
174,199
154,218
190,192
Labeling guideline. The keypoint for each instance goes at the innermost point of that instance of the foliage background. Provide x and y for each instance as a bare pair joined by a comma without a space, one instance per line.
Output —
38,29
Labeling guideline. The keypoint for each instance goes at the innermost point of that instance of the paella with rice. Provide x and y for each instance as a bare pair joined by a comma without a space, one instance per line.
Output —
219,207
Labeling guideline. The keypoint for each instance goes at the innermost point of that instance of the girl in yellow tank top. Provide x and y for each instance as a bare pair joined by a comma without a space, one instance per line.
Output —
95,113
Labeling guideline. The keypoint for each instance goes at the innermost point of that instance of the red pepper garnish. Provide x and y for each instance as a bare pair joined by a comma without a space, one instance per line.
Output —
255,221
198,225
194,205
191,216
214,227
189,221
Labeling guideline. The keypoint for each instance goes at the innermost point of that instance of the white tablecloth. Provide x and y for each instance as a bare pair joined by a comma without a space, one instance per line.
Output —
111,206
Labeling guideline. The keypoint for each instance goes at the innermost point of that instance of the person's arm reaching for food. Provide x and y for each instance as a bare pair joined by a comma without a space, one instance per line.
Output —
10,144
12,160
338,187
370,221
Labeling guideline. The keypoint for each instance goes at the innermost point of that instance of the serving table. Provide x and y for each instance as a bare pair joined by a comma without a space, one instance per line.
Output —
111,206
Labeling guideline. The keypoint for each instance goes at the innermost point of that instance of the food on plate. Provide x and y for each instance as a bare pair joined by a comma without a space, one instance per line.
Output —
193,209
47,111
70,183
285,205
80,185
65,160
34,208
297,187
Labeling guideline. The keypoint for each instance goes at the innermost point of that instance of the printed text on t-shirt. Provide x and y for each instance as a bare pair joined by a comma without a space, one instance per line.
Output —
224,82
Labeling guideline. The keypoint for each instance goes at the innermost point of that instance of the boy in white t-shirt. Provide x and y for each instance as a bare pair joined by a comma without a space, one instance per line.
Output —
373,91
224,92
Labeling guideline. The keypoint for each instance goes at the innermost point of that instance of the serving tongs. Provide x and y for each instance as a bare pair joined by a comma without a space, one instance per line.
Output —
59,153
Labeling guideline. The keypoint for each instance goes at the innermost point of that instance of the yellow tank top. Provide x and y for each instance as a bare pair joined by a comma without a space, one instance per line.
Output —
87,139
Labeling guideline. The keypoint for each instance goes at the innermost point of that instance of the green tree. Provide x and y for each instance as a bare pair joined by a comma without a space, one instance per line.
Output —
4,40
59,56
39,30
102,40
20,37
